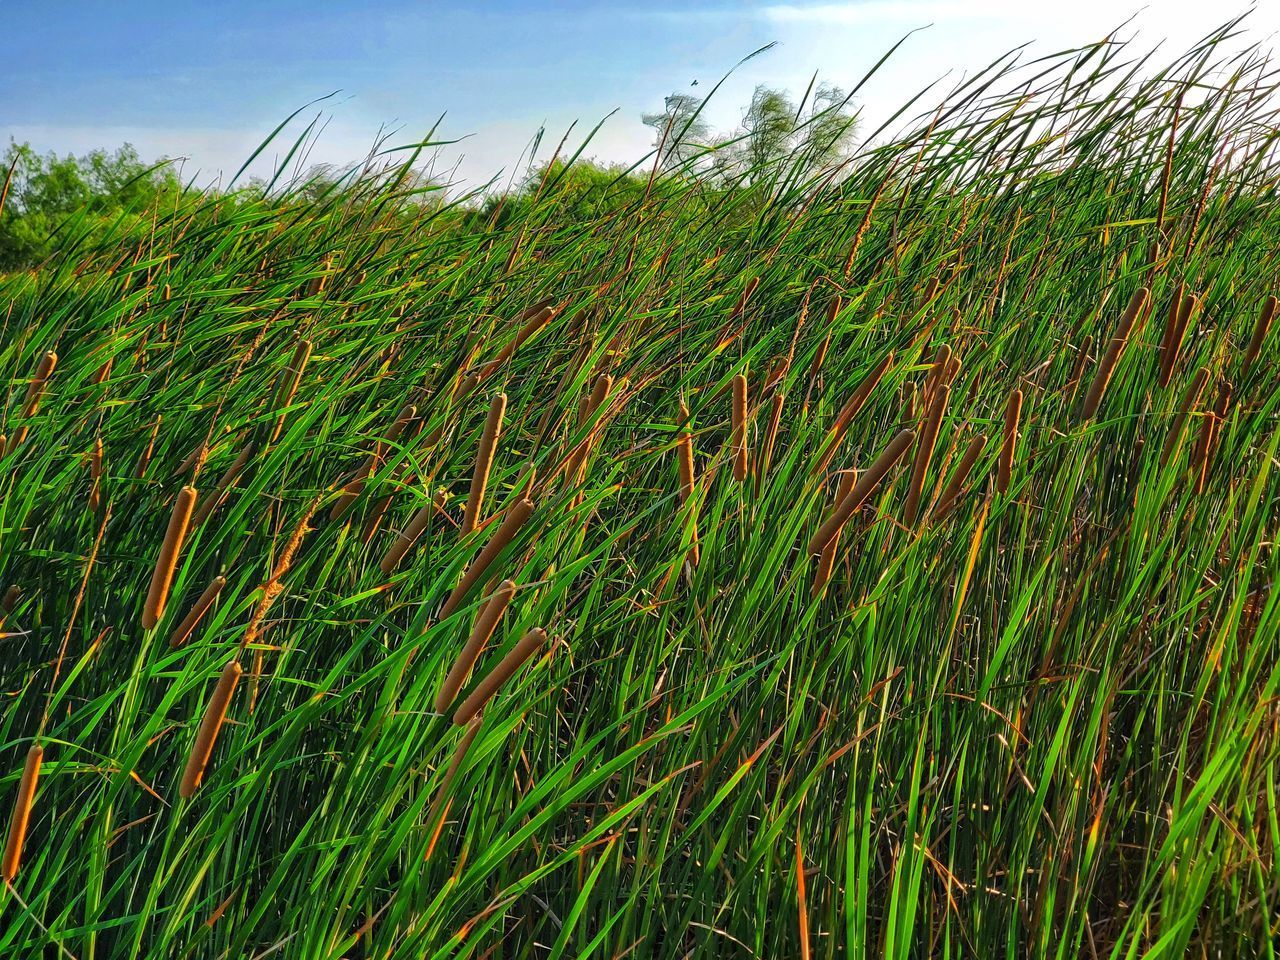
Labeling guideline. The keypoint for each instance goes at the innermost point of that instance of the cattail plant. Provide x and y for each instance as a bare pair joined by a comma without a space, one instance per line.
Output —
1169,355
937,375
827,559
541,315
31,403
183,630
529,644
852,407
776,403
1260,328
1171,325
1107,365
484,462
355,486
1189,399
162,576
210,725
290,380
862,490
451,772
924,448
1210,427
486,623
411,532
223,487
950,495
739,433
20,819
515,518
1082,362
1004,468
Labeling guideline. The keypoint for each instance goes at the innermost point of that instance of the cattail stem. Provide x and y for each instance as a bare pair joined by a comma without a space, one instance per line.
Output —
862,490
739,435
1260,332
484,462
955,486
455,763
1107,366
483,629
1004,469
215,713
21,817
162,576
529,644
1189,400
197,612
924,447
410,534
515,519
31,403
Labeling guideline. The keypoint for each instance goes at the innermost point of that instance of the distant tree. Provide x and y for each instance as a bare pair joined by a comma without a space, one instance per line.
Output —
680,131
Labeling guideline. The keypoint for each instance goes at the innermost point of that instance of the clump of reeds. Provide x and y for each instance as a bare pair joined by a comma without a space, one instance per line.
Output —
484,462
862,490
529,644
183,630
739,424
162,576
31,402
1107,365
210,725
20,819
1009,447
515,518
485,624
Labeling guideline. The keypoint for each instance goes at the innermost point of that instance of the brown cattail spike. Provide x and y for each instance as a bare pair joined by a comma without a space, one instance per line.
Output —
688,476
739,440
515,519
850,410
955,486
924,448
162,576
21,816
210,725
484,462
1189,400
862,490
1260,332
1107,365
1004,469
483,629
529,644
31,403
827,559
197,612
1169,357
410,534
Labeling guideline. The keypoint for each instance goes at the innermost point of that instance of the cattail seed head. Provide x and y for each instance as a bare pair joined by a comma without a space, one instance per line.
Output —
862,490
924,448
739,439
1260,328
484,462
197,612
1012,413
162,576
1106,367
529,644
951,492
483,629
210,725
21,816
515,519
412,531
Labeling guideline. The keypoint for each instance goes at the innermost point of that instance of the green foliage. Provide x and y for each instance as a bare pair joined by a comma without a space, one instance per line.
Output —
1042,725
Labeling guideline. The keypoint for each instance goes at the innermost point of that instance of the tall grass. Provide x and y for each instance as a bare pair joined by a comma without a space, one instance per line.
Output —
1033,724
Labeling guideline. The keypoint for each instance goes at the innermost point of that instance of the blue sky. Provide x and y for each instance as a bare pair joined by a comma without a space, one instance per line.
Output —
208,80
